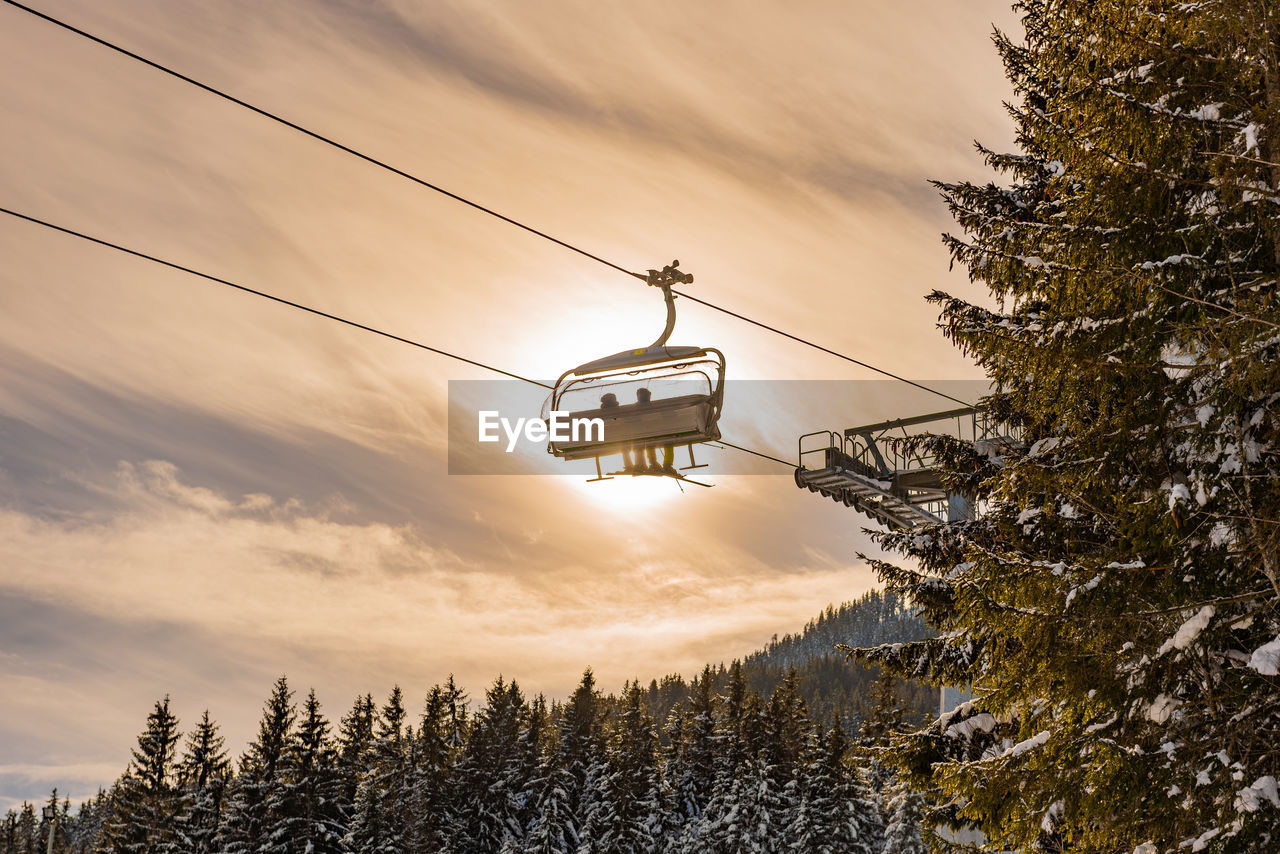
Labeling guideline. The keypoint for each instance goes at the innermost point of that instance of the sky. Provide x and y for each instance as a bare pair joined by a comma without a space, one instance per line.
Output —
201,490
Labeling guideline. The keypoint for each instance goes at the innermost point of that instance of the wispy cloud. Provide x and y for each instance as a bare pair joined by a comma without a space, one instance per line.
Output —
200,490
359,606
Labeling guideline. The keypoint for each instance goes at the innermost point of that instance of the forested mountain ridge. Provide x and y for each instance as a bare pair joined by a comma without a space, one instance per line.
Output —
830,685
875,618
713,764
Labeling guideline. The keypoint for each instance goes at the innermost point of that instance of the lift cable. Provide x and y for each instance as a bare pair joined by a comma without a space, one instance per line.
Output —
221,281
820,347
271,297
754,453
424,183
318,136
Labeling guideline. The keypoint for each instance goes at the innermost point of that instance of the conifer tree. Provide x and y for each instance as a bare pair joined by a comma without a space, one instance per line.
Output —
596,809
561,808
456,701
787,726
837,814
692,774
92,830
883,721
60,827
632,822
146,801
249,827
748,808
1115,605
669,765
787,729
735,713
202,780
554,829
306,808
487,816
884,718
26,830
355,743
430,801
529,773
730,753
380,818
902,835
9,833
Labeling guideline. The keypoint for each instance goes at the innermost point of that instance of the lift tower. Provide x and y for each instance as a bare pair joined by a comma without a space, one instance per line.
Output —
868,468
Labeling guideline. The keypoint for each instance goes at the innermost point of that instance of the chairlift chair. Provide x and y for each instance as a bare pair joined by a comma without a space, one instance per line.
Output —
687,393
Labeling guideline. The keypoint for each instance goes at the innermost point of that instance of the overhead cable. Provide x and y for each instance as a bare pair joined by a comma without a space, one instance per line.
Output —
455,196
292,304
272,297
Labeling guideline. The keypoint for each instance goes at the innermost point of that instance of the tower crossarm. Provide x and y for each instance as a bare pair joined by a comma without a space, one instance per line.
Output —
870,468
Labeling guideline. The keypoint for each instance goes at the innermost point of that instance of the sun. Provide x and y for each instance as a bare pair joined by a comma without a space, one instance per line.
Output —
625,494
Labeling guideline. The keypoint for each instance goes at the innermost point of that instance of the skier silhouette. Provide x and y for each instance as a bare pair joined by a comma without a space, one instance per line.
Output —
643,399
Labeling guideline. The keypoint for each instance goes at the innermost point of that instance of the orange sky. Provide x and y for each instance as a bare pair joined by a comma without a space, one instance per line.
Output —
200,490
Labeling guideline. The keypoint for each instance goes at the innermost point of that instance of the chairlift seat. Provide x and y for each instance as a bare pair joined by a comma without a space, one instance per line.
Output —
685,419
682,420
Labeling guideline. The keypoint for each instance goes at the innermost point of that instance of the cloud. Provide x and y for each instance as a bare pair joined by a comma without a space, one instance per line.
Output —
171,587
683,79
200,489
280,572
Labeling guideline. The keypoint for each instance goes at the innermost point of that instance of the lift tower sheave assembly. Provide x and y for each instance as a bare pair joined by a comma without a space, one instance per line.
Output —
869,469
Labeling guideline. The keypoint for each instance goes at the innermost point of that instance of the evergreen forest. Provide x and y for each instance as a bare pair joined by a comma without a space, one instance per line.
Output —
777,753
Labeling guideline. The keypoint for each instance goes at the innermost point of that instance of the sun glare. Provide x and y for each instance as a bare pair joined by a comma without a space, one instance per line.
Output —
625,494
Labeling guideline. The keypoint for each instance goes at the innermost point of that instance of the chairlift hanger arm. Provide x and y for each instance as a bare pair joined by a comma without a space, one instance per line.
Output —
665,278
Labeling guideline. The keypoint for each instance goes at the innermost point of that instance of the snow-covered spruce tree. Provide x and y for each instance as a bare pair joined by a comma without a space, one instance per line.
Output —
837,813
560,809
9,833
748,811
26,831
906,812
883,721
306,807
202,781
691,773
248,827
92,818
528,775
787,728
379,818
884,717
489,801
146,800
86,831
596,808
429,799
633,821
554,830
355,743
673,735
61,830
730,753
1115,604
